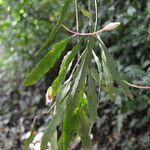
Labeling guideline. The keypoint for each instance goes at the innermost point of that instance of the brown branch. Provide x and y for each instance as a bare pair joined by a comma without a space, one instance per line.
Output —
109,27
82,34
137,86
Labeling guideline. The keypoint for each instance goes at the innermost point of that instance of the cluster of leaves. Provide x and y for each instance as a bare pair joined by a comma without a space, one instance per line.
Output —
133,116
76,97
25,24
23,27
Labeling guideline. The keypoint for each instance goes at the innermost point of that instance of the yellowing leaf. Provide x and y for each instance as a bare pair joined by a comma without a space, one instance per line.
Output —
50,95
86,13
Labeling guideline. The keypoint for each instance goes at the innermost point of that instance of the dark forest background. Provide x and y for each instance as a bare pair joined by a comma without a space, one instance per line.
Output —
25,25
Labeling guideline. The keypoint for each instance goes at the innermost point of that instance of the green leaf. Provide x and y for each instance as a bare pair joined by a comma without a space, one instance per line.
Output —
57,26
66,88
110,64
92,100
86,13
56,120
65,67
29,140
108,82
80,74
46,63
54,141
63,93
71,114
99,77
97,62
95,76
69,125
84,129
71,120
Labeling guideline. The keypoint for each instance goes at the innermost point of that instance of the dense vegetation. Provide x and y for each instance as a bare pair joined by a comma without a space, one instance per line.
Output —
26,25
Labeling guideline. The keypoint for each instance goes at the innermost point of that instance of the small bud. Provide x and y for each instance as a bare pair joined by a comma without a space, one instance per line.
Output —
111,26
49,95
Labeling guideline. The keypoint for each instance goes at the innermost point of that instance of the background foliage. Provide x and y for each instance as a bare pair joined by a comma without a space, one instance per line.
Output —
25,25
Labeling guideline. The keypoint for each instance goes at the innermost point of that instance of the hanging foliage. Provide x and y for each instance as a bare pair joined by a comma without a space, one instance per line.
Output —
76,90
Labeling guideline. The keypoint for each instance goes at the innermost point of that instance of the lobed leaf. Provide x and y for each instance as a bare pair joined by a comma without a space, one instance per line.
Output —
46,63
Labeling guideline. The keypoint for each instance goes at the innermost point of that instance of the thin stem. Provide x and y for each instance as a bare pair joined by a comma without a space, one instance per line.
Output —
77,17
82,34
90,18
96,15
77,22
108,27
129,84
100,75
137,86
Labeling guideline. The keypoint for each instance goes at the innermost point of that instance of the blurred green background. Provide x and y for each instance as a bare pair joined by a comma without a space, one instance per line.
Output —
25,25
